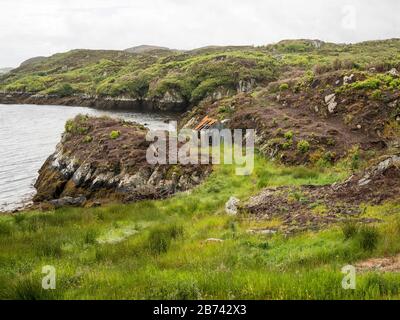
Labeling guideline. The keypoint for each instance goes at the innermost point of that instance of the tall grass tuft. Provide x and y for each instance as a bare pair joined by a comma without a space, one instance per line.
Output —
30,289
350,230
368,238
160,238
90,236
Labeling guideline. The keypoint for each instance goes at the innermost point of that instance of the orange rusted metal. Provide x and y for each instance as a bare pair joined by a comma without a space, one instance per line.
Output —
206,123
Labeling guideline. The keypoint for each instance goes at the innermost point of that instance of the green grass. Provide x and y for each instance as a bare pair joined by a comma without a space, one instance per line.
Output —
157,249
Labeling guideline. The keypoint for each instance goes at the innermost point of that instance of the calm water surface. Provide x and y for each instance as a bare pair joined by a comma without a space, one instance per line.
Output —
29,134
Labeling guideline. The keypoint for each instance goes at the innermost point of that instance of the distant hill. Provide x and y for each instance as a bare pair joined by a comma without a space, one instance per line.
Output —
146,49
214,48
32,60
5,70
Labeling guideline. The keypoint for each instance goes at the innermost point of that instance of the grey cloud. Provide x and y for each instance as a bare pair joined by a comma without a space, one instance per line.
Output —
43,27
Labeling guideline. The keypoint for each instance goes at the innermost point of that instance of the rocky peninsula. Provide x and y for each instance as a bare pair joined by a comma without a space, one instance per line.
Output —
101,160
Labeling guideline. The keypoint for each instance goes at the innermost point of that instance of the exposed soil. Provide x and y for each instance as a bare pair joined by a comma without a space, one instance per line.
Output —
390,264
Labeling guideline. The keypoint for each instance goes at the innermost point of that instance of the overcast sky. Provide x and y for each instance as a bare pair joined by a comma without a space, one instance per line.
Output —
31,28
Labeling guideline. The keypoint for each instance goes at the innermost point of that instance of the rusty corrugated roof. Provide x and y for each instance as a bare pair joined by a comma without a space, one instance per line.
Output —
206,123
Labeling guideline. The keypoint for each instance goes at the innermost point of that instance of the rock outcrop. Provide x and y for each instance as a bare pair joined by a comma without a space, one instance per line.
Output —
330,101
167,103
231,207
102,159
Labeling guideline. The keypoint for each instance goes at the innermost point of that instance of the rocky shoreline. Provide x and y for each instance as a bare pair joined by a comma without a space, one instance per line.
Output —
97,102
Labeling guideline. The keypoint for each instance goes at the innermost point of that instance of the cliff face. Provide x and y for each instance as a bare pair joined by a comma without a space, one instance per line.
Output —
101,159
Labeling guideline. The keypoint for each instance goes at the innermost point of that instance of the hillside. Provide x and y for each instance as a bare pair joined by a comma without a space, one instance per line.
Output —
186,78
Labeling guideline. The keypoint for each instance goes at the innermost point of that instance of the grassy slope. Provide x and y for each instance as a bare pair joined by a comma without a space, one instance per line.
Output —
156,249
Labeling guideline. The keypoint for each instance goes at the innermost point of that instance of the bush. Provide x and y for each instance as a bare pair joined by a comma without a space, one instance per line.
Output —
287,145
115,134
62,90
289,135
371,83
78,125
303,146
283,87
65,90
368,238
326,159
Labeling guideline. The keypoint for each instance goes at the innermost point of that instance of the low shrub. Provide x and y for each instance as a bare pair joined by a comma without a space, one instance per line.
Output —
303,146
283,87
78,125
62,90
115,134
371,83
289,135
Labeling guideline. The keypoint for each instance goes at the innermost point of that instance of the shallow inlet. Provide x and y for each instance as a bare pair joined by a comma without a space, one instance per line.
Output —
29,134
